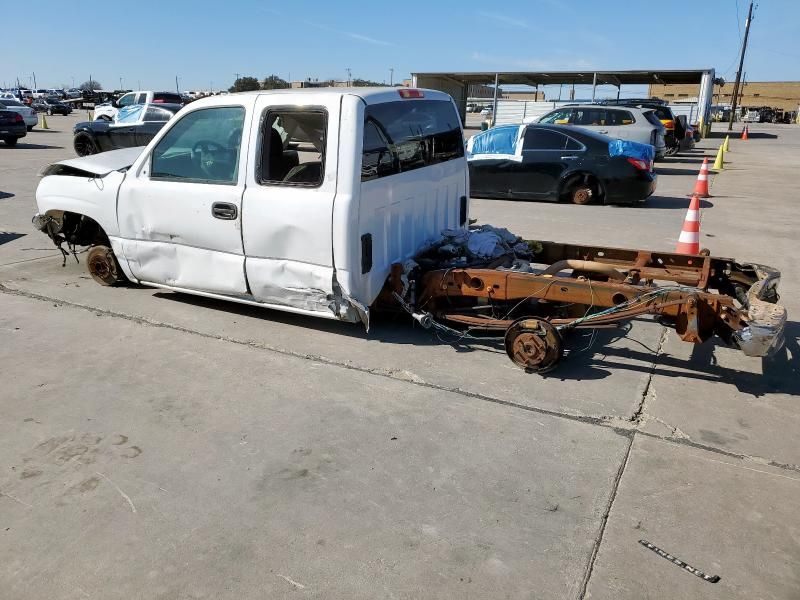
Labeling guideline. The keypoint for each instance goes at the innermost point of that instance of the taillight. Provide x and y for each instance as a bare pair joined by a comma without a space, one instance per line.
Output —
410,93
641,165
18,118
668,123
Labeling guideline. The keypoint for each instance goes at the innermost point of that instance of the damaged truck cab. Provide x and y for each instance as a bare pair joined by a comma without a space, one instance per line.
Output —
329,202
299,200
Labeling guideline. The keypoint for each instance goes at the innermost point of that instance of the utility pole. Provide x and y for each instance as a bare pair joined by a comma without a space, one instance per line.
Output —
349,76
34,82
120,83
391,76
177,88
741,64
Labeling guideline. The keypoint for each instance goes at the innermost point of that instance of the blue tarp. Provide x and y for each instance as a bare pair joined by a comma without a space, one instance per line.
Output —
632,149
497,140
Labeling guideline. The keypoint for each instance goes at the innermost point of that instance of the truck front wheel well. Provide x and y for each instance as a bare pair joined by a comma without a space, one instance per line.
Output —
80,230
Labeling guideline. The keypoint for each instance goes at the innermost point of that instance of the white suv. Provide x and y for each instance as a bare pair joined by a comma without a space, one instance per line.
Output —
625,123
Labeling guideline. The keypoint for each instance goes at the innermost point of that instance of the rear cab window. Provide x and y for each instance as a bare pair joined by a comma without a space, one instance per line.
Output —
409,134
166,98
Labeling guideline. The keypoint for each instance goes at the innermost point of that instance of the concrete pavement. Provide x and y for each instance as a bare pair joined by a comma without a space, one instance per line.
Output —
257,448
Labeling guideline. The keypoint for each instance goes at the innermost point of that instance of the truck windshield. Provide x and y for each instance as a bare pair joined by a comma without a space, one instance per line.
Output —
409,134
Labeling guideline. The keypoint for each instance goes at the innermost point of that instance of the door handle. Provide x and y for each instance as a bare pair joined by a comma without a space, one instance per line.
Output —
569,157
602,131
224,210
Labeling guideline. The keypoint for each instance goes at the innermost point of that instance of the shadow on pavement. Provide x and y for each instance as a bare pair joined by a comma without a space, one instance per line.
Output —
589,356
762,136
679,160
23,146
673,202
781,372
4,195
6,236
660,171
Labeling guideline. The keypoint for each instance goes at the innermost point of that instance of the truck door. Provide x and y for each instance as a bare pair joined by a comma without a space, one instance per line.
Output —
288,203
179,208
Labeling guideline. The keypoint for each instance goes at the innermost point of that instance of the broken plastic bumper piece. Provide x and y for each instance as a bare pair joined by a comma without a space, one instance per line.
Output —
766,320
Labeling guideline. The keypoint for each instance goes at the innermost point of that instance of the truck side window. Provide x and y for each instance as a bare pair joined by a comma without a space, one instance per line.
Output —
292,149
202,147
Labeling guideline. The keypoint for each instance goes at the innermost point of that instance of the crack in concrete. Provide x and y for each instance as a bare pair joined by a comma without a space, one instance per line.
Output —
604,520
619,425
637,414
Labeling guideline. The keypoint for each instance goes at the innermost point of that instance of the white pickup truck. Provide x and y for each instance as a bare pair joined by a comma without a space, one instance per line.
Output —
333,202
288,199
107,111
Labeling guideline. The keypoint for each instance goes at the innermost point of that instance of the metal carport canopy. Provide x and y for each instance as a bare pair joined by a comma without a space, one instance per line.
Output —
587,77
457,83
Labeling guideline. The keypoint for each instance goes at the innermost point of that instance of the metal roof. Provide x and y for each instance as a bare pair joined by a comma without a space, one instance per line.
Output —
577,77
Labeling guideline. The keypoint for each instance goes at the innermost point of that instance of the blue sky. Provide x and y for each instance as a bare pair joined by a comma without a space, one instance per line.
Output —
206,41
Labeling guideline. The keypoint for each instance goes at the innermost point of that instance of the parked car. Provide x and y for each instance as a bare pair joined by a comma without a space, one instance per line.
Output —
752,116
624,123
134,126
555,162
51,107
108,110
28,113
689,136
486,111
12,127
73,93
674,132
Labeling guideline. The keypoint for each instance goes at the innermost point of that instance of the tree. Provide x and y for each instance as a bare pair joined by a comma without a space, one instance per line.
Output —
88,86
365,83
245,84
273,82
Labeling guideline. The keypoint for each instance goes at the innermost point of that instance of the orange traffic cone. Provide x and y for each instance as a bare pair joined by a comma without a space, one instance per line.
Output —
689,242
701,185
744,132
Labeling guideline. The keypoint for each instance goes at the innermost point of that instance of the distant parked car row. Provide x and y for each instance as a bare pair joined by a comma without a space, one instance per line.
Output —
28,114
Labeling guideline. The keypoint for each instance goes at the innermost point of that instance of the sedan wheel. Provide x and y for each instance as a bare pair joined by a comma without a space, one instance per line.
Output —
84,146
581,194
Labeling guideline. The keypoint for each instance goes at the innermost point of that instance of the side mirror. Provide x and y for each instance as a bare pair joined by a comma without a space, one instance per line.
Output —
114,103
